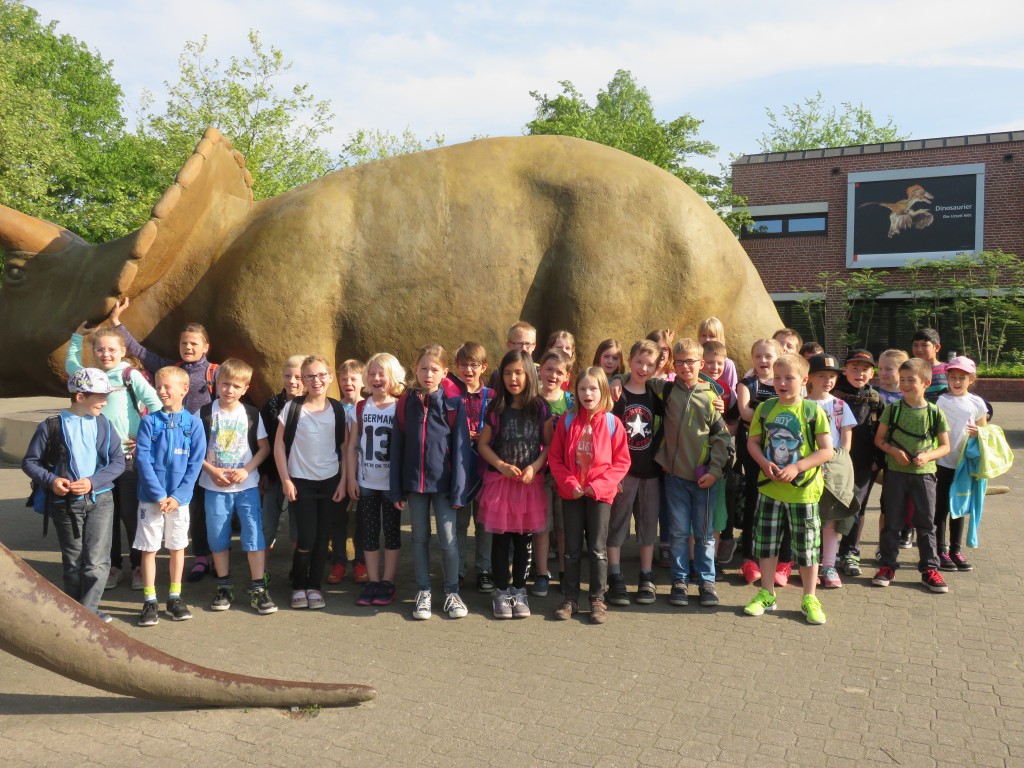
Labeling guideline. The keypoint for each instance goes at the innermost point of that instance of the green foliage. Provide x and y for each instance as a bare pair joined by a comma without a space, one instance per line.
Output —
810,125
244,102
857,292
365,146
1001,370
977,297
63,153
622,116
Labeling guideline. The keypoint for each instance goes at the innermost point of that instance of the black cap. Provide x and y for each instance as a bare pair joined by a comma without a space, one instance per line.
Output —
821,363
860,356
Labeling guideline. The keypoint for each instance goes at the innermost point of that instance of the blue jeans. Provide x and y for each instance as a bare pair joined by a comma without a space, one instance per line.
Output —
445,519
691,511
482,544
85,556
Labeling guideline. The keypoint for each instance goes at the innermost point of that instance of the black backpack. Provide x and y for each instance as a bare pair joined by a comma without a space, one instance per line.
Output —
54,458
292,423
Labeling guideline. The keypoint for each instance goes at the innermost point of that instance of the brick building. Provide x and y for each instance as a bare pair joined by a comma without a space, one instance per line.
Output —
878,206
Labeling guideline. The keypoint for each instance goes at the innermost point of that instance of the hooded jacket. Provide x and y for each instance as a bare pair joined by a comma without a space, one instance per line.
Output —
169,453
430,447
109,457
611,456
694,433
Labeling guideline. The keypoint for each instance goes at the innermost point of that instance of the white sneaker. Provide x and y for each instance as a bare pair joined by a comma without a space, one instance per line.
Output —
422,609
137,582
113,577
454,605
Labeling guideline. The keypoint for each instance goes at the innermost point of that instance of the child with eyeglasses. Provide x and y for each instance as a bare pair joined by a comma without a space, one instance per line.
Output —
308,450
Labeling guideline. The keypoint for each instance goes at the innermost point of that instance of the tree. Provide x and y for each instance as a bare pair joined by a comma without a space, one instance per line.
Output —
244,102
63,152
809,125
365,146
622,116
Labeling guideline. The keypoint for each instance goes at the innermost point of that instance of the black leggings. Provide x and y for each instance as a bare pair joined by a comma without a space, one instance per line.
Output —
126,511
520,558
943,486
313,511
376,513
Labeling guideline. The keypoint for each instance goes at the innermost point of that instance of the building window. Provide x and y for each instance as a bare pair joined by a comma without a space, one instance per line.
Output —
781,226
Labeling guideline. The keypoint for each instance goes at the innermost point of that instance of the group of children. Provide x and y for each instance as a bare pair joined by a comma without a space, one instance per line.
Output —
546,457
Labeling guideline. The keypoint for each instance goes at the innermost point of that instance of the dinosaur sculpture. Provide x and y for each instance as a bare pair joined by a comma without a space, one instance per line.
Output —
455,243
42,625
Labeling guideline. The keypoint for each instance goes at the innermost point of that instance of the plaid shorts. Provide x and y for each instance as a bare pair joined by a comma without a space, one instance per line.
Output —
769,524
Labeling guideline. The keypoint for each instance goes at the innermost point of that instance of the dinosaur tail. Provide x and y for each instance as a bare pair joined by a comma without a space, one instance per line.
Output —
43,626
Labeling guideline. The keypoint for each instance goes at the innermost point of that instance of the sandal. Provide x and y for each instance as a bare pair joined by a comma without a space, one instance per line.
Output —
200,568
299,599
315,599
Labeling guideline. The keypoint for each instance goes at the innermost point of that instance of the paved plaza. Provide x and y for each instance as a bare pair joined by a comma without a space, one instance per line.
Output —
898,676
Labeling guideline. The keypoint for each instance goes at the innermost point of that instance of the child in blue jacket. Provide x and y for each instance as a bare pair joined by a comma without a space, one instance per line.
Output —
169,454
73,459
430,456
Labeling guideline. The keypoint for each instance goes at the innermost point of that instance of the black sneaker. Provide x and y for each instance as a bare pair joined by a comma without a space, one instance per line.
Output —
961,562
262,603
617,593
150,615
906,538
678,595
223,599
369,592
645,592
266,584
177,610
708,594
484,583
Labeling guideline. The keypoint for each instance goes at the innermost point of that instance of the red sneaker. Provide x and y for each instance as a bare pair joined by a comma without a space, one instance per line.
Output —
884,576
337,573
933,580
782,571
750,571
359,574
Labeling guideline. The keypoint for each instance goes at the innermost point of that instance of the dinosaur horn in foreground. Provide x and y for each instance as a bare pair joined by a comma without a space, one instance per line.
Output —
43,626
19,232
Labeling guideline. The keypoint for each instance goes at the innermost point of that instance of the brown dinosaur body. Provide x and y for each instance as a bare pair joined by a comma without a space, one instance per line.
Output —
442,246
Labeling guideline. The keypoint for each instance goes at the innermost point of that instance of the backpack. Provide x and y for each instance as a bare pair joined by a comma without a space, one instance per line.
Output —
206,414
140,408
809,411
211,376
609,418
894,425
54,457
292,423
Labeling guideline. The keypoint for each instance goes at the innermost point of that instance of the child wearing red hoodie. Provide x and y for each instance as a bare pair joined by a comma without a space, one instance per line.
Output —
589,457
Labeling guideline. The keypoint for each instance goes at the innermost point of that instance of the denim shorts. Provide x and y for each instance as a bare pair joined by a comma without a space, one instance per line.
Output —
246,504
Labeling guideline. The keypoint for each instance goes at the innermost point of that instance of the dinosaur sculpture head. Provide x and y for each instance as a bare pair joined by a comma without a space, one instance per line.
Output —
53,280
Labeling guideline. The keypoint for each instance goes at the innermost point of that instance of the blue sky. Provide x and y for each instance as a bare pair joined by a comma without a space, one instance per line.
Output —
466,68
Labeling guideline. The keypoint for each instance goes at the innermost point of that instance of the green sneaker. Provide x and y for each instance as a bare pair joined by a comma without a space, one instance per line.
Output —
763,601
811,607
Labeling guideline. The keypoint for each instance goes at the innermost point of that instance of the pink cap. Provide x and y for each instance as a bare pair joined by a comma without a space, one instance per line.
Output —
962,363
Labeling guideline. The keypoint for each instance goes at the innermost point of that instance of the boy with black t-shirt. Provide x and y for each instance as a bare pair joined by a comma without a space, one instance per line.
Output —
640,410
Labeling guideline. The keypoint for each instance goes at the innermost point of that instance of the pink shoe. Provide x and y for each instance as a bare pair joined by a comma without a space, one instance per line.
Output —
829,578
782,571
750,571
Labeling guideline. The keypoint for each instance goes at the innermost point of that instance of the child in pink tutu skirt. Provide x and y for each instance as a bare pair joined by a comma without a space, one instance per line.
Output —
513,504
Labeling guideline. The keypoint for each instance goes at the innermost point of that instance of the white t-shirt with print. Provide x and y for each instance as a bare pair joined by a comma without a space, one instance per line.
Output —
374,446
839,415
228,447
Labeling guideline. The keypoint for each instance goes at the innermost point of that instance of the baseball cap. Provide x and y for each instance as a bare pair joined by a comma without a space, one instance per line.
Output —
89,381
964,364
860,356
821,363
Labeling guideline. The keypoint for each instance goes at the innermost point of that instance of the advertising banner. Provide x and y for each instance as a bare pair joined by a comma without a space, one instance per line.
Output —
917,213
